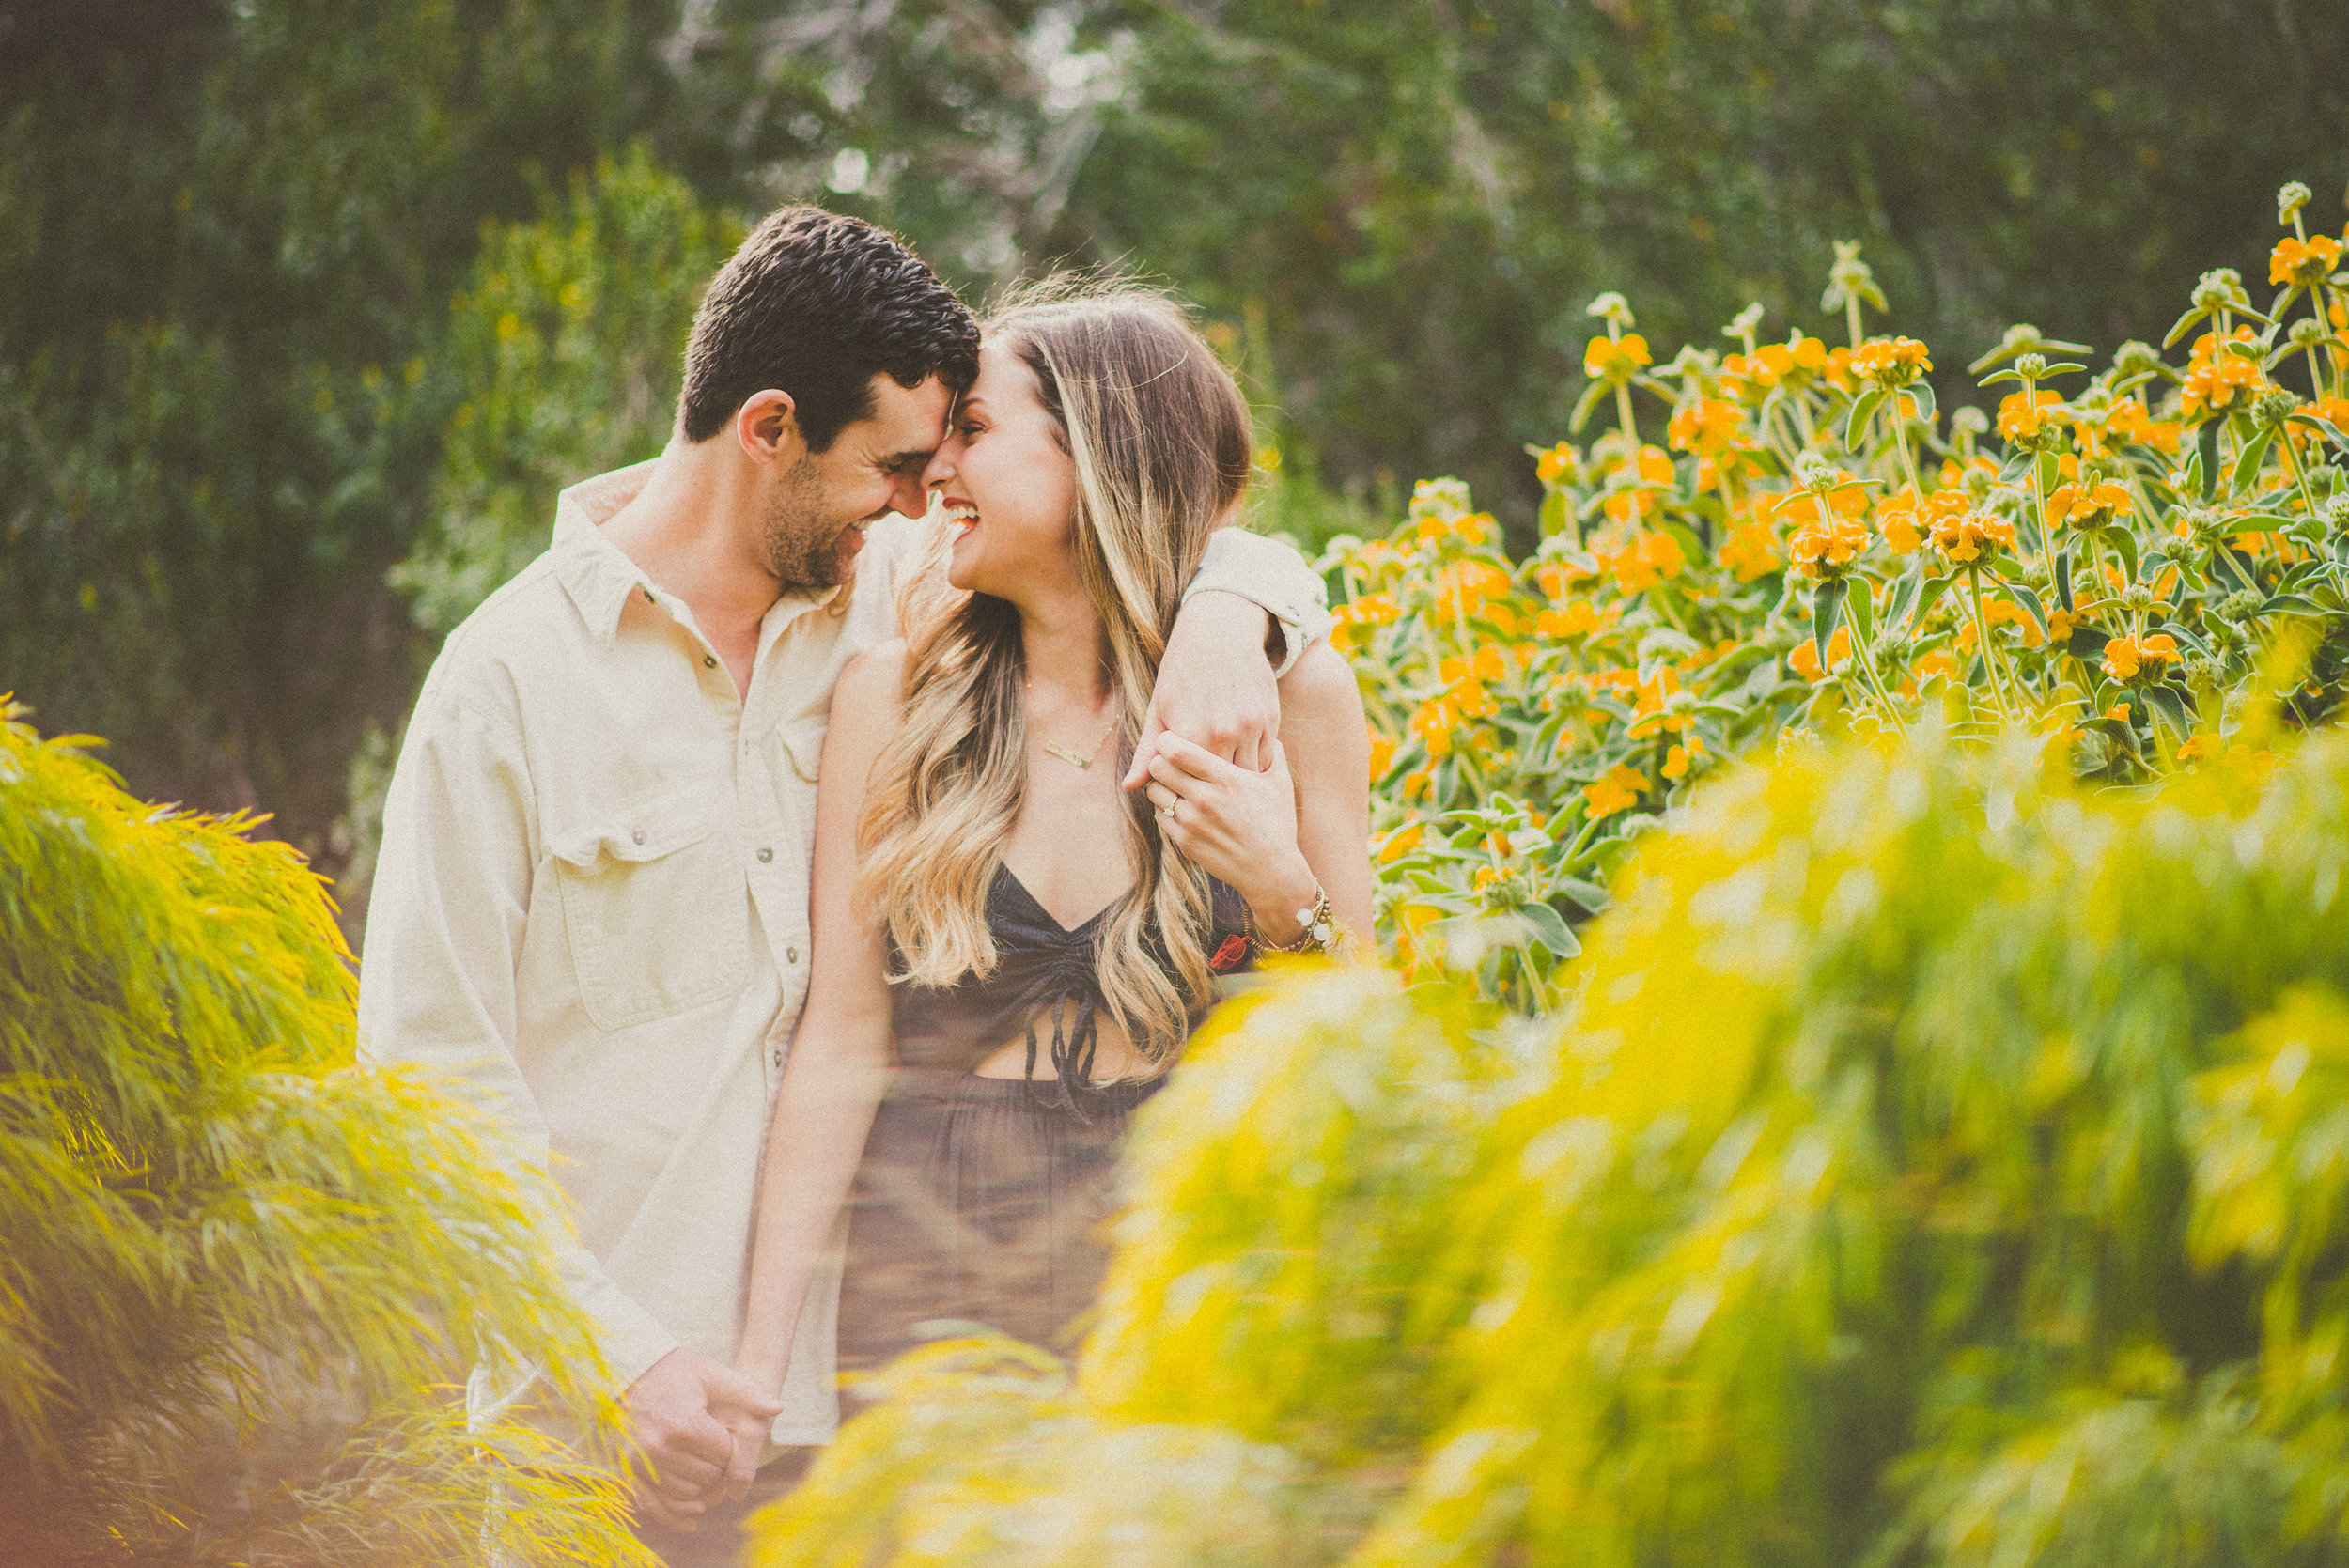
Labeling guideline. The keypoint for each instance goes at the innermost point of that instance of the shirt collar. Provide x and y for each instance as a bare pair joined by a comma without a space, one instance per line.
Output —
598,575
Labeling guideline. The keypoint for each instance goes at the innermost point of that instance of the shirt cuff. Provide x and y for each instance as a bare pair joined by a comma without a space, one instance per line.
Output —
1273,577
628,1337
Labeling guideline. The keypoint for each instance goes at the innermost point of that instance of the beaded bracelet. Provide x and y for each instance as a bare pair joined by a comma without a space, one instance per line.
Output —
1321,928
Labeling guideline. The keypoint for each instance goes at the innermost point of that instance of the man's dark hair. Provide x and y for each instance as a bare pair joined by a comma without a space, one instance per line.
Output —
816,305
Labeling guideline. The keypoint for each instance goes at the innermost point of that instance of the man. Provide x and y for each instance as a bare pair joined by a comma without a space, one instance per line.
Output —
592,898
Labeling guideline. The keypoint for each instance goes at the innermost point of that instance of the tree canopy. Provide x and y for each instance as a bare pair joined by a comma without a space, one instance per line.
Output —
233,390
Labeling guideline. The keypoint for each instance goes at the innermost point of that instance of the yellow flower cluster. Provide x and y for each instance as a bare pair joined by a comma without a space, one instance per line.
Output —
1820,547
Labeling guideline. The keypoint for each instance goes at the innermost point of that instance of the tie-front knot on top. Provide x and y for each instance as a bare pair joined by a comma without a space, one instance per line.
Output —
1042,969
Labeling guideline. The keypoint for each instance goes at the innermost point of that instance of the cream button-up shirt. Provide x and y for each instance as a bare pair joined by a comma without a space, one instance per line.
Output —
591,907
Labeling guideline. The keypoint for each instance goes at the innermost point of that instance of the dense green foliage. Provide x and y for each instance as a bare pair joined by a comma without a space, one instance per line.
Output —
2123,564
240,1271
1936,1165
231,382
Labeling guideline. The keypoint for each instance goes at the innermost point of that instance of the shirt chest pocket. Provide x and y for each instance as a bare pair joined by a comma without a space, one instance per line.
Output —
657,910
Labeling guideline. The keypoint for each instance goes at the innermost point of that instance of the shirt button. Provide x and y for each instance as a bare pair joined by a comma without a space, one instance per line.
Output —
638,835
790,954
709,661
766,855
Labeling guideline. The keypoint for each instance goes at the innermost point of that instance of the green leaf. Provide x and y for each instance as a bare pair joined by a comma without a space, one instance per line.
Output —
2170,708
1859,602
2185,324
2064,579
1583,405
1862,410
1590,895
1549,929
1904,597
2086,641
1827,608
2246,462
2291,604
2050,472
2206,448
2186,639
1554,514
1923,393
2028,603
2324,426
2232,561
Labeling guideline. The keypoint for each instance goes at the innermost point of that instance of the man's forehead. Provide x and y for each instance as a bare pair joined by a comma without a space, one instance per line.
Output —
905,417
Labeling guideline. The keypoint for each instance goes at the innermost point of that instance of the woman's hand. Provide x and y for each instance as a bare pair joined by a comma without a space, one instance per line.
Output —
1238,825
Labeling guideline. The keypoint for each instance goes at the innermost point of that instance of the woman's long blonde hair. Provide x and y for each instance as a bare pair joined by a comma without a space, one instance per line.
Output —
1159,436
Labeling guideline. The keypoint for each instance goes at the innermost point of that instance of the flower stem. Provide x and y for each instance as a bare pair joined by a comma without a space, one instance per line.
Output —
1989,651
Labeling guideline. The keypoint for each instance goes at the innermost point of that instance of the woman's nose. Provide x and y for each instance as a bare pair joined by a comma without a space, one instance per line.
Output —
941,467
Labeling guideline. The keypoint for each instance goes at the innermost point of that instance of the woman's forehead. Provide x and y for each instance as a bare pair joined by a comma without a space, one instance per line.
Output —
1003,373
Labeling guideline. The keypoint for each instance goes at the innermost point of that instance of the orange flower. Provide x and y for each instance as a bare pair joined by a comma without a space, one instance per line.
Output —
1381,753
1890,362
2219,381
1462,588
2303,261
1576,617
1904,522
1488,662
1677,760
2086,506
1618,791
2023,416
1805,658
1966,536
2118,713
2128,421
1644,560
1615,360
1938,662
1555,463
1751,550
1432,724
2124,656
1707,426
1401,842
1825,543
1557,576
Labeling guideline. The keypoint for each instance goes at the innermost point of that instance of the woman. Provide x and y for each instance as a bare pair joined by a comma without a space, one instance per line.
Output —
1006,943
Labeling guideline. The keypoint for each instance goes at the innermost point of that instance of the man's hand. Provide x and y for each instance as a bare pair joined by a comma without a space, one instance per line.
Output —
689,1419
1215,686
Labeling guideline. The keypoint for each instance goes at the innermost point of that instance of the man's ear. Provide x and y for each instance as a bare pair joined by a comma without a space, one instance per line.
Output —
768,426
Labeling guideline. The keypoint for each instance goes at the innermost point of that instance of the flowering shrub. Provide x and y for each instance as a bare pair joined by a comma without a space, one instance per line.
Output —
1910,1184
239,1270
2114,562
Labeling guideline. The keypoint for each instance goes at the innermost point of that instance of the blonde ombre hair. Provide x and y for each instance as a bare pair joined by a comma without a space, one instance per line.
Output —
1158,437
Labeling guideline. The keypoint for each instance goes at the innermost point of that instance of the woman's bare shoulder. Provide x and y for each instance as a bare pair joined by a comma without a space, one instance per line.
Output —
874,678
1321,685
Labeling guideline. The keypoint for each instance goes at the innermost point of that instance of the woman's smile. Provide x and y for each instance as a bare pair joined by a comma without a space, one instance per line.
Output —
961,517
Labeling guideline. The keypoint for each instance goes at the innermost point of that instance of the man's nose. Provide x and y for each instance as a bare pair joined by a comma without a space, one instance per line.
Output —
908,495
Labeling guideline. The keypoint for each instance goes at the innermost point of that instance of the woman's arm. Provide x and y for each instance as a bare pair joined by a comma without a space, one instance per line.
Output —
1274,835
840,1059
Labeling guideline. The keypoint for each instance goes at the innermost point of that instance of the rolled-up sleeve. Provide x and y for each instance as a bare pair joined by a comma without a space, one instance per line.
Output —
1274,577
437,986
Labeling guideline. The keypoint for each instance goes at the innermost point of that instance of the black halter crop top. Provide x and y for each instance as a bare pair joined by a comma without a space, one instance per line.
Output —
1041,968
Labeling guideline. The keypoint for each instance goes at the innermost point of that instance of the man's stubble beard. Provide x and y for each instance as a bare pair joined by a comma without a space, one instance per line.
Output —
799,540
